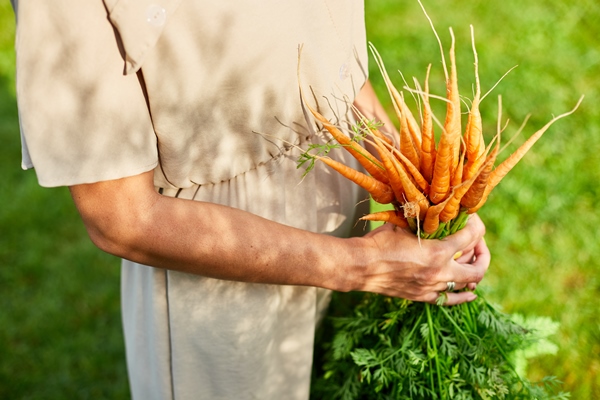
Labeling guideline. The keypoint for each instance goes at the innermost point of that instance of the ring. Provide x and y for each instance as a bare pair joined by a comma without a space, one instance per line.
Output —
450,286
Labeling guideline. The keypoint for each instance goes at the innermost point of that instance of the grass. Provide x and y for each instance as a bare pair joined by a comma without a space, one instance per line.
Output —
60,334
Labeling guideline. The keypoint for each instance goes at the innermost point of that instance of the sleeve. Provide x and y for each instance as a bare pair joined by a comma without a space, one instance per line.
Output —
82,118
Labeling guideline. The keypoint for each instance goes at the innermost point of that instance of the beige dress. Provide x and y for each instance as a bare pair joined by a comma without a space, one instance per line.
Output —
206,94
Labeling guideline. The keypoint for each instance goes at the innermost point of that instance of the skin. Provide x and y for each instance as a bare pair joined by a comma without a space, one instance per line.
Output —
129,219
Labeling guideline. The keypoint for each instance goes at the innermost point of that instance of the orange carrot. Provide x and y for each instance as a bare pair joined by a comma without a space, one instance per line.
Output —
457,176
447,153
475,193
474,143
391,216
410,141
381,192
514,158
440,183
407,144
503,169
412,125
366,159
453,113
395,181
428,139
414,173
452,207
413,195
431,222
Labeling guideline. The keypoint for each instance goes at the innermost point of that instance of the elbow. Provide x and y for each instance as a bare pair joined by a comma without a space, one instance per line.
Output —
109,237
121,233
104,239
117,214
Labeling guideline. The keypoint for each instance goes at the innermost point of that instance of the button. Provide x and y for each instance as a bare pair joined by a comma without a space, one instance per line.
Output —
344,72
156,15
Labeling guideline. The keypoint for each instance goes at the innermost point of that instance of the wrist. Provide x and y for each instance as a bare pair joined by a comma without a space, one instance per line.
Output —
350,273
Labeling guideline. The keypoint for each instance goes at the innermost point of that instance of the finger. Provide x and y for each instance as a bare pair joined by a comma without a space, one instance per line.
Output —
473,270
443,286
463,274
452,298
459,298
466,239
482,255
465,257
479,258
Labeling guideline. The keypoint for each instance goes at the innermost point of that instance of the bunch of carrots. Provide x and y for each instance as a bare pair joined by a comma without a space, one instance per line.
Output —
433,187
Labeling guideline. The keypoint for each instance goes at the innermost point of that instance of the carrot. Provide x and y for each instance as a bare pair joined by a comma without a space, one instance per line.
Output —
505,167
394,179
452,207
514,158
457,176
414,173
366,159
440,183
475,193
453,113
447,153
379,191
391,216
431,223
410,141
413,195
474,142
428,139
408,147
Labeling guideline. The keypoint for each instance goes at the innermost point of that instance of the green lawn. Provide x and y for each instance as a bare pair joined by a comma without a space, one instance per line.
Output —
60,332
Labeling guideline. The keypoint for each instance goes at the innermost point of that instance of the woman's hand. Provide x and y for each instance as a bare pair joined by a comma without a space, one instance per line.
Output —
399,264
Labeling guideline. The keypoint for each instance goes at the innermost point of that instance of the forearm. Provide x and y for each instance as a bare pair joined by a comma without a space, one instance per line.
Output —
216,241
221,242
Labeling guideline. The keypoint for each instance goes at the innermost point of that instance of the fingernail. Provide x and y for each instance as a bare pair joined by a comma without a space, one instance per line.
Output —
472,297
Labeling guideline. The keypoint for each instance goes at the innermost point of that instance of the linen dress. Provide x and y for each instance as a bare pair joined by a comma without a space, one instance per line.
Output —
205,93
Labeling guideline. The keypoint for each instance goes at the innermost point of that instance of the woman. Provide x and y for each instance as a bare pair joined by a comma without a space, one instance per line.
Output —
176,126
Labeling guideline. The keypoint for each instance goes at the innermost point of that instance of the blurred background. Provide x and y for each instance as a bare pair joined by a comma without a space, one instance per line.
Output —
60,328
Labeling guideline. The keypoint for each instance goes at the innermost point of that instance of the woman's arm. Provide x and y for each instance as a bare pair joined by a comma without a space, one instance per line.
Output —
129,219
